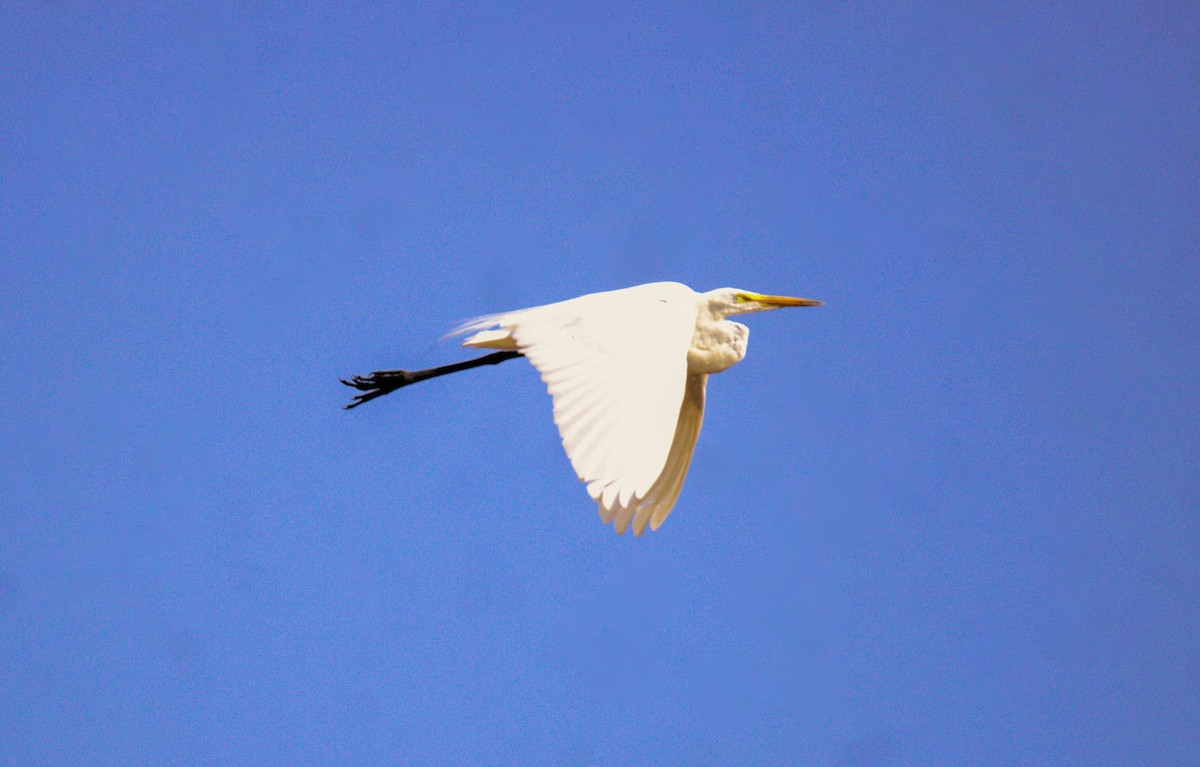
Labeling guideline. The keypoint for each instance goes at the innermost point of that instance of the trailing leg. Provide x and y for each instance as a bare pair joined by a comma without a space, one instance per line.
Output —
383,382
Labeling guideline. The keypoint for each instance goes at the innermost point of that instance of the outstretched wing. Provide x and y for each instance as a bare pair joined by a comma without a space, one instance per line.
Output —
654,508
615,365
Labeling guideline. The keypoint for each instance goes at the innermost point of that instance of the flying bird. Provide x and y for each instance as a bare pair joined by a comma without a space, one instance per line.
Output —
626,370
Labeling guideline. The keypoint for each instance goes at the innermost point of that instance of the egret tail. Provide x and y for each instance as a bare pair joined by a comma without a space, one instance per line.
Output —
383,382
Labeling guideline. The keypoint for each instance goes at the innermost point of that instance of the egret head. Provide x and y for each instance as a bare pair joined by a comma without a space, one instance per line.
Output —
727,301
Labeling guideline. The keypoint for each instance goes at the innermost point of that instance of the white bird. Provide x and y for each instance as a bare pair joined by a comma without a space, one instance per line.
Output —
626,370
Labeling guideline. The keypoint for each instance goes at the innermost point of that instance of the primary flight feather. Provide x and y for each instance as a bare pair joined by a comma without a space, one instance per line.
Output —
626,370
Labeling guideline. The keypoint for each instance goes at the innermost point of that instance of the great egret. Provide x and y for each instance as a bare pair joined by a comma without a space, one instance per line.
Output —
627,371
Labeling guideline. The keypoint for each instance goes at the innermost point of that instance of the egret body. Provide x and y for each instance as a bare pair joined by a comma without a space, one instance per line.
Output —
626,370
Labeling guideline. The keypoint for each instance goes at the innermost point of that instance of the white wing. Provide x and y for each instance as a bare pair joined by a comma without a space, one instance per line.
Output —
615,365
657,504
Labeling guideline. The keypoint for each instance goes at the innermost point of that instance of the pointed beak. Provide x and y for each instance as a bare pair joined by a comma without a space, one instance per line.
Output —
779,301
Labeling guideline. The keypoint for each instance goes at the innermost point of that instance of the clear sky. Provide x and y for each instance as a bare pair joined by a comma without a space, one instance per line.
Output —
951,518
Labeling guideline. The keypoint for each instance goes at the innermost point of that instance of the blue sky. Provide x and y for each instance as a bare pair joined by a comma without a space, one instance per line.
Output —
950,518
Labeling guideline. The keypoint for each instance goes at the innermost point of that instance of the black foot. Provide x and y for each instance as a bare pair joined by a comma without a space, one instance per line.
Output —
379,383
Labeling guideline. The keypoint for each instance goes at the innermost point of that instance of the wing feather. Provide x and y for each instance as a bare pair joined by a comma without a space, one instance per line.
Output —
615,365
658,503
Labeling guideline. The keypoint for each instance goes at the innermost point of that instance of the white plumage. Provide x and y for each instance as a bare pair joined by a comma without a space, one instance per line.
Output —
627,370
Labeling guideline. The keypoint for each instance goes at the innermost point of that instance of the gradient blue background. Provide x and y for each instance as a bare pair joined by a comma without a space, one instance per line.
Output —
951,518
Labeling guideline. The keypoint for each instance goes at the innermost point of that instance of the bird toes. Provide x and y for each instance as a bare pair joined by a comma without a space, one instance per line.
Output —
363,383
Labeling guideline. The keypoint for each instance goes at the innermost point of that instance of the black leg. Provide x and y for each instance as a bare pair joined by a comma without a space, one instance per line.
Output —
383,382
